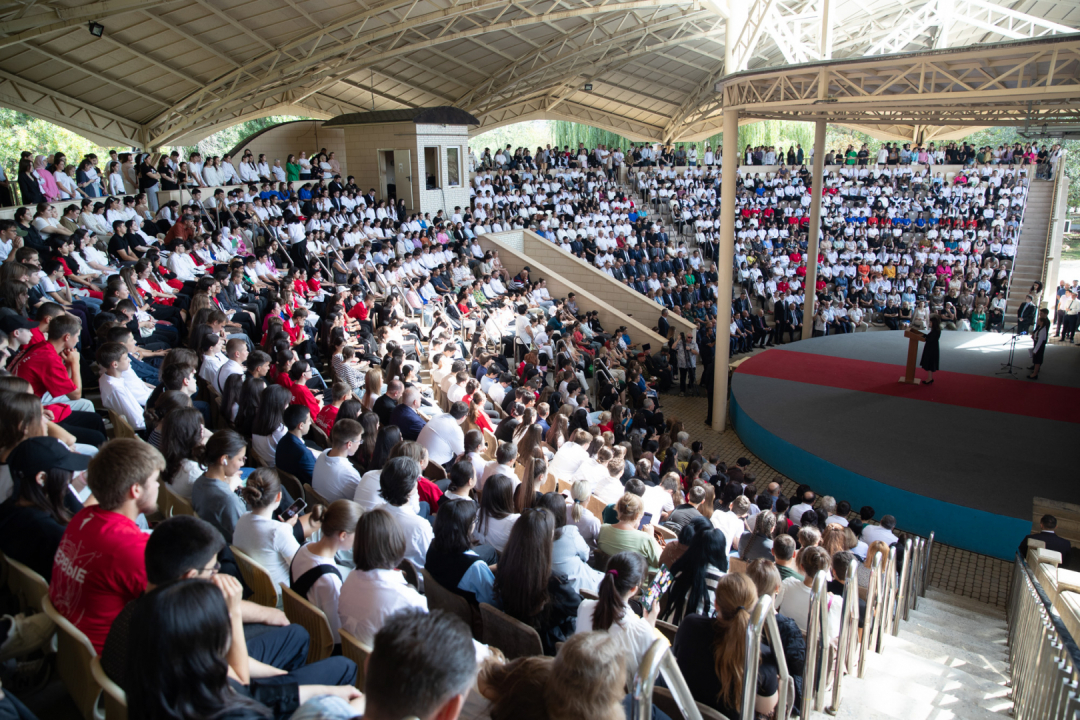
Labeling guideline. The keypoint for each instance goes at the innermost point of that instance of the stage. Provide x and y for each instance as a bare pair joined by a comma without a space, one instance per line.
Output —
962,457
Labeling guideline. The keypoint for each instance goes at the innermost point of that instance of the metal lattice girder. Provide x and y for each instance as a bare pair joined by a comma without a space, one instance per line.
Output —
1002,84
100,126
981,14
321,68
536,109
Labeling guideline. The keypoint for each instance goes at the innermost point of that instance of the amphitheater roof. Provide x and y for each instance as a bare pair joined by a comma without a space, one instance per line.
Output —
169,73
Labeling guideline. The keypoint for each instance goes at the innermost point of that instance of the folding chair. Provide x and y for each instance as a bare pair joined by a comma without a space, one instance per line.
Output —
27,586
74,655
513,637
314,497
301,612
451,602
358,652
257,578
292,484
115,697
121,427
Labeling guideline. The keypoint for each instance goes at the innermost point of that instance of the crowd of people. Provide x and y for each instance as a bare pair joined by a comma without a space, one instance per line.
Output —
449,415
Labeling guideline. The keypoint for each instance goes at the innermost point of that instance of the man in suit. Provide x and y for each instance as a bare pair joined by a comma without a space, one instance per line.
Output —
405,416
780,318
388,401
663,327
1053,541
1025,315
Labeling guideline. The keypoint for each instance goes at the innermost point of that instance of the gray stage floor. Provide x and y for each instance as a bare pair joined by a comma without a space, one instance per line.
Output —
989,460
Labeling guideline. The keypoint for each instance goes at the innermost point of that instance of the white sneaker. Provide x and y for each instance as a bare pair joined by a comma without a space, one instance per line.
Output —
26,635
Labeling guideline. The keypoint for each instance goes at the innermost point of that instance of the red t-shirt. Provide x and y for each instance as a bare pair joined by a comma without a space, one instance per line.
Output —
99,568
359,311
46,372
326,418
429,492
302,396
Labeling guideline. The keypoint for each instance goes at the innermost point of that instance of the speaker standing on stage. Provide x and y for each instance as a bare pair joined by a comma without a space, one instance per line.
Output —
1041,337
931,354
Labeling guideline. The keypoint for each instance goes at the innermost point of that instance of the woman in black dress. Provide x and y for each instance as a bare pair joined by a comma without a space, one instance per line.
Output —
931,354
1041,335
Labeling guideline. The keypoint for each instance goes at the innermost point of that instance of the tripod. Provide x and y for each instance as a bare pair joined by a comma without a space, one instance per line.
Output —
1007,367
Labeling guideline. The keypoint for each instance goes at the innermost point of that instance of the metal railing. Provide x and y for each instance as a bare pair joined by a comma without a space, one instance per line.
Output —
1043,657
764,619
847,643
659,658
818,645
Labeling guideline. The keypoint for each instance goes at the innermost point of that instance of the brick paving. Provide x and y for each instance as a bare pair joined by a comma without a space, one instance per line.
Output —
965,573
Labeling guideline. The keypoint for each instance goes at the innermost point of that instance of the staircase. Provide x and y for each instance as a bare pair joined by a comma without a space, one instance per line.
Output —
948,661
1031,249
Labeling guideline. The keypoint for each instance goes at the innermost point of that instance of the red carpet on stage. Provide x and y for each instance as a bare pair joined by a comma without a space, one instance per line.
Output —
1006,395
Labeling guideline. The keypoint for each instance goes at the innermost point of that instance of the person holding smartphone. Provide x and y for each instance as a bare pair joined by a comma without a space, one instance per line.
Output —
612,614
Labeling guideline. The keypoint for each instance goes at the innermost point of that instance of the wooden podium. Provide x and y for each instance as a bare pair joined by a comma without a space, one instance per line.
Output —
914,338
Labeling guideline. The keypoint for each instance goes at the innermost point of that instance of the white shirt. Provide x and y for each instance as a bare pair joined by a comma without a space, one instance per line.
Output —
269,542
118,397
794,602
496,532
795,512
872,533
731,525
229,368
610,489
326,591
265,446
634,635
657,501
367,491
567,460
494,468
443,438
211,365
418,533
335,478
369,598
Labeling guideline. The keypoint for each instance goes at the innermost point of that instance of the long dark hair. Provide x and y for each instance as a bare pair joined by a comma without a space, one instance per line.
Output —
249,401
453,523
180,633
496,501
689,589
181,439
521,577
49,497
624,572
272,406
388,437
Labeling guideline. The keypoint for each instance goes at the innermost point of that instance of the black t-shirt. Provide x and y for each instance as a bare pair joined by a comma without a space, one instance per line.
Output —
118,243
31,536
693,648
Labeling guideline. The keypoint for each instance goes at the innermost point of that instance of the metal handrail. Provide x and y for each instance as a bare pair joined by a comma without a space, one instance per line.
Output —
817,647
872,623
849,628
763,618
902,591
925,582
659,658
914,589
1043,657
888,597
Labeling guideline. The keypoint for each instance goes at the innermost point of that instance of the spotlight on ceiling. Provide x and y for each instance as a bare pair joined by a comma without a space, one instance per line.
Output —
588,87
96,29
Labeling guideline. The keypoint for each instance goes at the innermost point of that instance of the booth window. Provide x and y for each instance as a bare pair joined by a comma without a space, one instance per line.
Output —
453,166
431,167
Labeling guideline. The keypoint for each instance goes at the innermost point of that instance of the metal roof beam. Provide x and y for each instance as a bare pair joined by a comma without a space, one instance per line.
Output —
61,18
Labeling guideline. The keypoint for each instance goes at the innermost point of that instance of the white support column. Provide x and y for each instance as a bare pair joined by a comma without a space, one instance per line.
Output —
724,268
815,229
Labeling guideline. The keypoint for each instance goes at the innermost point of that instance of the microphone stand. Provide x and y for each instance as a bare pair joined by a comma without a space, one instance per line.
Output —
1007,367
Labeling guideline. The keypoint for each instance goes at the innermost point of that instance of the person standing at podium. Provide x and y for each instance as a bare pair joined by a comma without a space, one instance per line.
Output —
931,354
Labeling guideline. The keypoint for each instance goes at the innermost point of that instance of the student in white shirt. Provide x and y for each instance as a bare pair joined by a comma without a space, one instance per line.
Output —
335,477
116,394
376,589
212,359
397,486
612,614
314,570
497,516
236,352
794,600
269,542
443,436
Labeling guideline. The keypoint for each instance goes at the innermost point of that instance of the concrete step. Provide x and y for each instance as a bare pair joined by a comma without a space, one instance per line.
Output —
964,605
946,617
986,646
908,667
951,652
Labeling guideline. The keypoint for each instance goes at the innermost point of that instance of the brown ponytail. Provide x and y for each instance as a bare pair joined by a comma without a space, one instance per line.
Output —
736,596
624,572
262,488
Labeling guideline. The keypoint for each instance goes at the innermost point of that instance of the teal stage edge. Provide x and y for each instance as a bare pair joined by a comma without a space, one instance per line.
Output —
975,530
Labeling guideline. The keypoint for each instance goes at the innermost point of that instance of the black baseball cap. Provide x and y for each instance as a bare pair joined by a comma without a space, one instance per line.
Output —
40,454
10,323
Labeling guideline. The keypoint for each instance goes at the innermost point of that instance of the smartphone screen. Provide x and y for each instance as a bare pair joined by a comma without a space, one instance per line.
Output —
645,520
661,582
293,510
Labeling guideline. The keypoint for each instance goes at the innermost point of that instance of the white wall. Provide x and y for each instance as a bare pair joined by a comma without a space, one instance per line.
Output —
446,197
